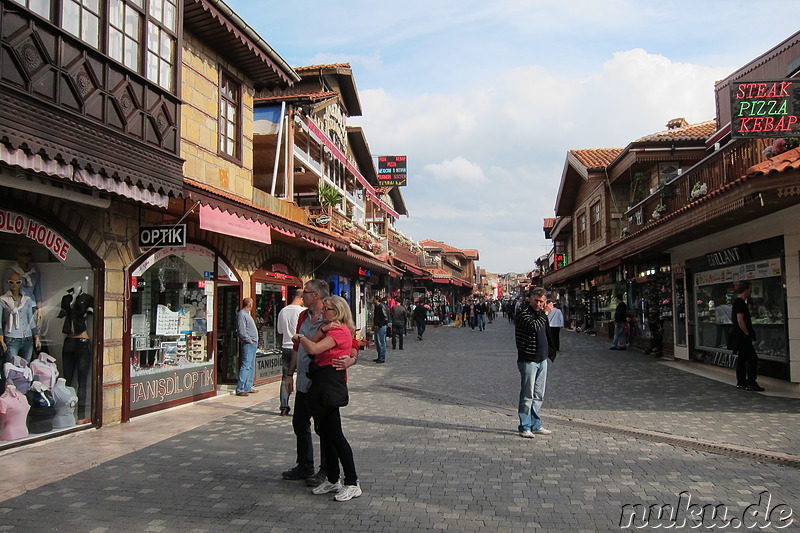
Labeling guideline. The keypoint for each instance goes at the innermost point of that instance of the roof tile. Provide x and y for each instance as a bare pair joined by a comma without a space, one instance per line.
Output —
788,160
690,132
596,157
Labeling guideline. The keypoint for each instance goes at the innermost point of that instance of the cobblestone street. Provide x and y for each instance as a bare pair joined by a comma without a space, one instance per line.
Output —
436,446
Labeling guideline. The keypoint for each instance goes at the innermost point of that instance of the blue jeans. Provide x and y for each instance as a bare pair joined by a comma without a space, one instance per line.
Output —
247,367
380,342
481,322
533,377
22,347
286,359
619,334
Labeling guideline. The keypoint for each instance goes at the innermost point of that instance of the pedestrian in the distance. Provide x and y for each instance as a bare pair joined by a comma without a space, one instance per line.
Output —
248,343
620,321
380,320
287,326
334,339
743,336
534,348
556,319
420,316
398,314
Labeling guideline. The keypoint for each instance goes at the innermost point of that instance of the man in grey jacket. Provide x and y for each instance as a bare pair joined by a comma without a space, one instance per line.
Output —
248,343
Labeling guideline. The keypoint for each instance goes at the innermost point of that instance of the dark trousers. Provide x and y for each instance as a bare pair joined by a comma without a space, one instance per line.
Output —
398,330
420,327
301,423
335,448
77,355
746,363
555,336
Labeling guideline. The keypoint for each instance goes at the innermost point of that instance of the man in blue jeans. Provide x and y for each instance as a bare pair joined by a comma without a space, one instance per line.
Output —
380,318
534,347
248,342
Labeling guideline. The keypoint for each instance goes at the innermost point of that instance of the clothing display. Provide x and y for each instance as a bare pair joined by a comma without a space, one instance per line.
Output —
66,404
18,373
76,306
76,357
13,412
43,408
45,370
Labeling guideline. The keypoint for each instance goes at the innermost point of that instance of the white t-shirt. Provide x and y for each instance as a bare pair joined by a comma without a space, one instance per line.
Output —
287,323
556,318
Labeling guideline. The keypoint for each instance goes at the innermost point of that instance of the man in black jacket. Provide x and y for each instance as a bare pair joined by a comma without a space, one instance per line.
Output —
620,318
380,319
534,347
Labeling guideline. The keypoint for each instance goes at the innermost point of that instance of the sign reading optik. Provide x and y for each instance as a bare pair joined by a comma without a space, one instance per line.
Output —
162,236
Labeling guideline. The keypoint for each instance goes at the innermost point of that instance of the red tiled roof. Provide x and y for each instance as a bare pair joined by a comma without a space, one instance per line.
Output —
690,132
471,253
789,160
549,223
317,67
439,273
288,96
440,244
596,157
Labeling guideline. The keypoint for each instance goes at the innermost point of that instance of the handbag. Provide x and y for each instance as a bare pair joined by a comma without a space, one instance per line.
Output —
328,390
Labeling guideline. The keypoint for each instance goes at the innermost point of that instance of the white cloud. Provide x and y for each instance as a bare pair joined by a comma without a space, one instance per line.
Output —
457,170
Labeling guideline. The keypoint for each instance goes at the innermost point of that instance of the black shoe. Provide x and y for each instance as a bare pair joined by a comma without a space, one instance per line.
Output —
754,387
317,479
739,386
376,360
298,472
379,361
613,348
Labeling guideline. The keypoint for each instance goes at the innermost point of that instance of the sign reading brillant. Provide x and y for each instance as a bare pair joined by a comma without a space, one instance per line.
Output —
765,108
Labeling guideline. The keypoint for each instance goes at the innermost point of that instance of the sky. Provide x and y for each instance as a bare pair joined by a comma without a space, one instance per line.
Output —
486,98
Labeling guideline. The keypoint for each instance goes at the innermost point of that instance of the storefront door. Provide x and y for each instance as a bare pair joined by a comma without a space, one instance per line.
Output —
227,337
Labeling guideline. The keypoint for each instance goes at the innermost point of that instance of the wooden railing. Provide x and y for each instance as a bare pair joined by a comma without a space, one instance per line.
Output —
724,166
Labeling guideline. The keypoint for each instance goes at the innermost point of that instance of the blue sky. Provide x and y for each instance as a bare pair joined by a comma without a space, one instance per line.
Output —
486,98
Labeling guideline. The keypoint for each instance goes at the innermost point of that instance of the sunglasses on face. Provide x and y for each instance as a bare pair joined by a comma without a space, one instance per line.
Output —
14,282
309,292
329,309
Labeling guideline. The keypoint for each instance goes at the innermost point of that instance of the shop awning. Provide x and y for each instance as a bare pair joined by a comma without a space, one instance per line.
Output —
227,223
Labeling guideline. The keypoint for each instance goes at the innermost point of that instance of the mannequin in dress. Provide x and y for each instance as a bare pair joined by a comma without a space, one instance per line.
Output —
66,402
19,333
76,306
31,286
13,412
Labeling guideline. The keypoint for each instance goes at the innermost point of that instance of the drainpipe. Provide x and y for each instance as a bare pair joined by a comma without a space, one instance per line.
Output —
278,151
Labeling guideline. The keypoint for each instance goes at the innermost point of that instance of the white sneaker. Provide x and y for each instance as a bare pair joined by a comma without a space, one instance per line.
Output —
348,492
542,431
527,434
326,486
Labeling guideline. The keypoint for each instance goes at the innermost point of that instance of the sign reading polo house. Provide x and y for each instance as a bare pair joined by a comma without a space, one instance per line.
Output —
11,222
162,236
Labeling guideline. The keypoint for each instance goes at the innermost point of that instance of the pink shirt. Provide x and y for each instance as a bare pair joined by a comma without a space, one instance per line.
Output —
344,343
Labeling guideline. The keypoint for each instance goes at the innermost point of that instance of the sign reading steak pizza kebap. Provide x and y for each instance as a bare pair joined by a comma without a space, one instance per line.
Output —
765,108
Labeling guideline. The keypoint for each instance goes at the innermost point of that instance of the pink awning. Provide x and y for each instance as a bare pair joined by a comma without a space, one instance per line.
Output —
226,223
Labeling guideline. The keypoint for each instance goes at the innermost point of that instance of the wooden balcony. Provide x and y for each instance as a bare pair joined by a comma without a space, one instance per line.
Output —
332,221
716,170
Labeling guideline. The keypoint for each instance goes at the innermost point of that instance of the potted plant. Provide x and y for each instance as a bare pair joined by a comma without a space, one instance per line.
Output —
699,190
658,211
328,195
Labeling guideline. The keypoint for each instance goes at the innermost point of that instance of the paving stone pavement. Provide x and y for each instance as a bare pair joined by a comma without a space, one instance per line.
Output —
435,442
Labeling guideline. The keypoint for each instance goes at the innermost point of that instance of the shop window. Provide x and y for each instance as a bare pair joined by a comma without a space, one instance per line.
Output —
714,294
81,18
47,319
171,317
596,221
40,7
230,117
581,230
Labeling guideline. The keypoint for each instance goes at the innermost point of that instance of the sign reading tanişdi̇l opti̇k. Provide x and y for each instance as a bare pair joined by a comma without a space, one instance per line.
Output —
765,108
392,170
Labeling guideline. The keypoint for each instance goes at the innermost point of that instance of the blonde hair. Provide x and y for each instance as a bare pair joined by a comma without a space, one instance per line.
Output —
342,311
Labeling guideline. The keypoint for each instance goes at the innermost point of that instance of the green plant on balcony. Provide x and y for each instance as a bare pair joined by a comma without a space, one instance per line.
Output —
329,195
639,187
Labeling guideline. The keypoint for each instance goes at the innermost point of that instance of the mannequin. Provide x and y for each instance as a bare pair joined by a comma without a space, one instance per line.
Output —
76,306
66,403
19,333
45,370
43,408
31,286
13,411
18,374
